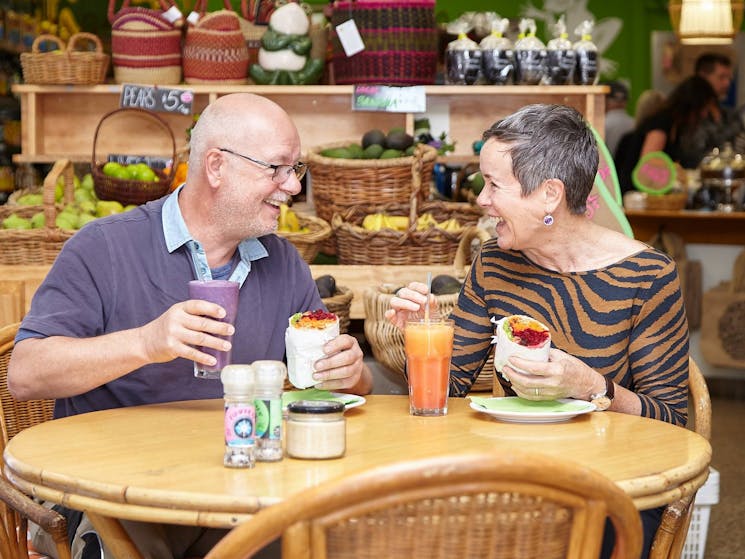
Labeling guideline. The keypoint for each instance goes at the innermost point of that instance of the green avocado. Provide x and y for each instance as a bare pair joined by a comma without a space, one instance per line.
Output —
445,285
326,286
356,151
398,139
339,153
373,137
373,151
391,154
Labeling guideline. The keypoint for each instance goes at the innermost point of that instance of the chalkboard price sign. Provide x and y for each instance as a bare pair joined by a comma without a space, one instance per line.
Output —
154,98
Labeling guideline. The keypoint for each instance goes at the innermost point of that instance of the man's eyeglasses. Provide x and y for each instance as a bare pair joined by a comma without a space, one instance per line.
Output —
281,172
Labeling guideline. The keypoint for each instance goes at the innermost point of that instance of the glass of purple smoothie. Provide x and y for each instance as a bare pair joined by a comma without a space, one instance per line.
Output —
225,294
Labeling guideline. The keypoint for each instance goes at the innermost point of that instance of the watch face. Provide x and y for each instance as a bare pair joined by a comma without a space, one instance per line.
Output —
602,403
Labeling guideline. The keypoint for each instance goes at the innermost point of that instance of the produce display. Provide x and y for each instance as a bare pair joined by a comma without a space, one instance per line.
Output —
376,144
378,221
85,208
288,221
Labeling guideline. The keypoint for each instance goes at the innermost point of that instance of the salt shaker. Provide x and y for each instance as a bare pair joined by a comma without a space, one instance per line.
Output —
240,416
269,378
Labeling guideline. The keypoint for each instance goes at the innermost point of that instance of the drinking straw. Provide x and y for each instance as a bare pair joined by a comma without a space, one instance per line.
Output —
426,304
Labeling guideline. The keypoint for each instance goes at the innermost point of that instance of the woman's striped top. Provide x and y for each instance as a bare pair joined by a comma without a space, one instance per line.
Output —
627,321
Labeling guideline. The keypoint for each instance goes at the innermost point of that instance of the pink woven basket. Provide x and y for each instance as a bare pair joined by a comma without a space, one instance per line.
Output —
215,49
145,43
400,39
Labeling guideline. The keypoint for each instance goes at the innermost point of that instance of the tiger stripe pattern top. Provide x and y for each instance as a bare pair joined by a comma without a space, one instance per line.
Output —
627,321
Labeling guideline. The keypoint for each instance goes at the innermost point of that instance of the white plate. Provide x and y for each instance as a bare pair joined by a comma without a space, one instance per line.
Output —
533,416
350,400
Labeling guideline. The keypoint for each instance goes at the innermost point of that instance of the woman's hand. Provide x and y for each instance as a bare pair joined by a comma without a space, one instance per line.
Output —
563,376
408,301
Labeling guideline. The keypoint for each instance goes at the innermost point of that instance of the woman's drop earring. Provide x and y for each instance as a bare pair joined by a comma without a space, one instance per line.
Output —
548,220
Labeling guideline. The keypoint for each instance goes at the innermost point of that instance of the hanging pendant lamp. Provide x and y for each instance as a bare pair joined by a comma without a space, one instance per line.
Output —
706,22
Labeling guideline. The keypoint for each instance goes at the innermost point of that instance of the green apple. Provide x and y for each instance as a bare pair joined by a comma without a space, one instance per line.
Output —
112,168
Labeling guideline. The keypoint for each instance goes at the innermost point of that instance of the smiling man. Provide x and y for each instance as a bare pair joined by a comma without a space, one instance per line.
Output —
112,325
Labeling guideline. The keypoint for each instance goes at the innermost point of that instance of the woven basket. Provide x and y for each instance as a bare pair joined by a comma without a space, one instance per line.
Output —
145,45
215,49
356,245
387,341
339,184
339,304
128,191
662,202
308,244
401,42
38,246
65,66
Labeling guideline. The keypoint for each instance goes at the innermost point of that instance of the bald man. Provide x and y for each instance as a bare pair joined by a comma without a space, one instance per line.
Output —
112,324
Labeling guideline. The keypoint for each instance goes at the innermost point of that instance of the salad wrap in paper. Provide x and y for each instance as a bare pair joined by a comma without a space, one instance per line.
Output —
305,337
522,336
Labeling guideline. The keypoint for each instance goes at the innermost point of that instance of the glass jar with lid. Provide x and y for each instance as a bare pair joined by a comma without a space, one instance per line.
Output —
316,429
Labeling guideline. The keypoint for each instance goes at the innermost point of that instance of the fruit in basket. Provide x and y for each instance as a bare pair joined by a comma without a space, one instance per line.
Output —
288,221
87,182
326,286
397,138
38,220
30,200
373,151
445,285
67,220
112,169
14,221
373,137
339,153
108,207
391,154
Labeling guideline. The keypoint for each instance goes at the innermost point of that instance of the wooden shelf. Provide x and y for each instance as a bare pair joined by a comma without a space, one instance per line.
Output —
720,228
60,121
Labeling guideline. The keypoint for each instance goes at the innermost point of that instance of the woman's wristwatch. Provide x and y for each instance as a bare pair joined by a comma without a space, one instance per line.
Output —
602,400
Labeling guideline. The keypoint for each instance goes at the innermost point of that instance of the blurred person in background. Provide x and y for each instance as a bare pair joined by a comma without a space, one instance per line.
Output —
717,69
617,121
681,128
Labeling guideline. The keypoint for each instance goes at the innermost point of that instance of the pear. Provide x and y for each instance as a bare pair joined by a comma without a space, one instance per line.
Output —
30,200
38,220
87,182
85,218
66,220
108,207
14,221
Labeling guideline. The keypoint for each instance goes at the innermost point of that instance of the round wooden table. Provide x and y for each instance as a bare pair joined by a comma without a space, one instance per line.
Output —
163,463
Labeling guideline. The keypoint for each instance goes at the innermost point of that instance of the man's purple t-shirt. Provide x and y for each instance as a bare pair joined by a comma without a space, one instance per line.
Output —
116,273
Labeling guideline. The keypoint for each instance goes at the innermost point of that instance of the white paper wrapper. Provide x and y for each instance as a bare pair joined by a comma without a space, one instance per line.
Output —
304,347
506,348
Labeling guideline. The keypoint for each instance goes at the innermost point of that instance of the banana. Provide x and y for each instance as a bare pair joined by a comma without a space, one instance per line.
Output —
373,222
425,221
450,225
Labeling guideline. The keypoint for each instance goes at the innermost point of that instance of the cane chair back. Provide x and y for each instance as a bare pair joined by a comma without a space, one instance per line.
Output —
670,537
17,508
484,505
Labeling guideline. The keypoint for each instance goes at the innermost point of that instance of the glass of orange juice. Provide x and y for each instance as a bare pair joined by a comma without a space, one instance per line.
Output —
429,347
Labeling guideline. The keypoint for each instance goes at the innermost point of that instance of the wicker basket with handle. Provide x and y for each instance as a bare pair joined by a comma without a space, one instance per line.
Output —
38,246
339,304
357,245
65,66
339,184
130,191
308,244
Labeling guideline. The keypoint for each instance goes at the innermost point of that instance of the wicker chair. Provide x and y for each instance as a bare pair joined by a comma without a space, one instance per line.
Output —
494,504
16,508
671,535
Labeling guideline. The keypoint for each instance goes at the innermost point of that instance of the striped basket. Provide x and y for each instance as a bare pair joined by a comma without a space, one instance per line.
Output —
215,49
146,44
400,38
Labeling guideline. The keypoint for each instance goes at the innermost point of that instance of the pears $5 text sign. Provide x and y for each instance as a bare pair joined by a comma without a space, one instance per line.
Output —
154,98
